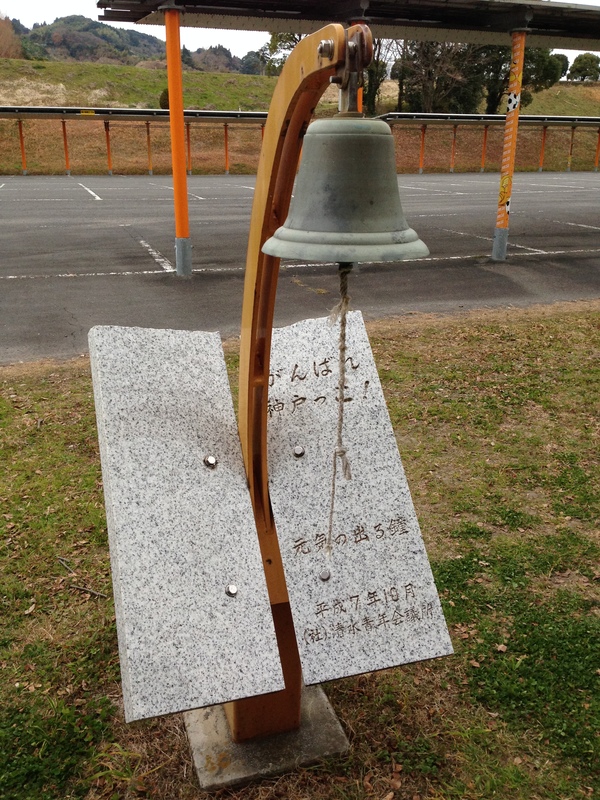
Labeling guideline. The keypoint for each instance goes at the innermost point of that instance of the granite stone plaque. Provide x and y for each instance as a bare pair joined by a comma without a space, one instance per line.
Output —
193,616
361,589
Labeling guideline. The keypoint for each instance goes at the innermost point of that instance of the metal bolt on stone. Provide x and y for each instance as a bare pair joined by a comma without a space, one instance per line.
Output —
210,462
231,590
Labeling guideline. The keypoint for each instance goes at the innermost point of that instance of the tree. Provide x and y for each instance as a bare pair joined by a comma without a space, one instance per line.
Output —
186,58
253,63
585,67
437,76
10,45
277,49
564,63
401,71
163,100
540,71
376,73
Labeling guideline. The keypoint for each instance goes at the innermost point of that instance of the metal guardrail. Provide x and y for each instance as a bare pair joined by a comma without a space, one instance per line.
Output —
396,118
127,114
191,115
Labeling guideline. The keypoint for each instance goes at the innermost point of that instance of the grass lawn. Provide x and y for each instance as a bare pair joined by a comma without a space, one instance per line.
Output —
496,415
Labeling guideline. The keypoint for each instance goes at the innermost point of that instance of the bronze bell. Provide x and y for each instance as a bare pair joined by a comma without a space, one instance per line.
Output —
346,205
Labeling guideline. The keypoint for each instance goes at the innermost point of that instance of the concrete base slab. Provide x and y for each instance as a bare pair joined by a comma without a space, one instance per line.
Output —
221,763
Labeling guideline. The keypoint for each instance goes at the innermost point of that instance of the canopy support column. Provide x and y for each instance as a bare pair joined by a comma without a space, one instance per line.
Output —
183,244
511,128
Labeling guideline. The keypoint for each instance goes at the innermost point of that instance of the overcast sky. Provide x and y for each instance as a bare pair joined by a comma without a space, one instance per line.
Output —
239,42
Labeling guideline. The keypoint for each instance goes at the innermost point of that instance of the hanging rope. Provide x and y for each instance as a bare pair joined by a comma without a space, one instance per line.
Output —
340,311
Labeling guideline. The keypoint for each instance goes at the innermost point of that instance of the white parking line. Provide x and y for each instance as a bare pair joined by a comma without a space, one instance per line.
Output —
489,239
190,194
205,270
575,224
94,195
161,260
157,256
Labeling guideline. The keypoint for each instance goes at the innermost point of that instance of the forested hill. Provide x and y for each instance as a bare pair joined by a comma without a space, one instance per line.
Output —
77,38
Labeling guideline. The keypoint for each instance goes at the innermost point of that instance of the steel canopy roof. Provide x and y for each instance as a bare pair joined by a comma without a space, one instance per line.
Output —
549,24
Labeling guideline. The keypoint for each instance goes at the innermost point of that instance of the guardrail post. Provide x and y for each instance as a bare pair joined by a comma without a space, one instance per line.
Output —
183,244
66,146
226,142
511,128
108,151
597,158
149,143
453,153
484,147
22,143
543,148
189,148
571,145
422,151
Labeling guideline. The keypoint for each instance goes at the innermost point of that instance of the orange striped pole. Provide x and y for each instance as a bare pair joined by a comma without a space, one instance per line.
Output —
571,145
484,147
66,146
597,158
183,244
543,148
22,143
453,153
511,128
108,151
189,148
226,140
149,143
422,151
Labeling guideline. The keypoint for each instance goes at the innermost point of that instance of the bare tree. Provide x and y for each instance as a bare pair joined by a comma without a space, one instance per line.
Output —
10,44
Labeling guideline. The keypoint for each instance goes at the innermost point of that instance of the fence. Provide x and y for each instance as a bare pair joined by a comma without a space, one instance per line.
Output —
425,142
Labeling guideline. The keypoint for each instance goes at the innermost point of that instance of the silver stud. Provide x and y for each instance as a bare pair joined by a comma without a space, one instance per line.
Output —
325,575
210,462
298,451
231,590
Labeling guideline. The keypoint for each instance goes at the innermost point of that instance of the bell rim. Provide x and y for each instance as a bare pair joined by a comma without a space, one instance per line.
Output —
365,252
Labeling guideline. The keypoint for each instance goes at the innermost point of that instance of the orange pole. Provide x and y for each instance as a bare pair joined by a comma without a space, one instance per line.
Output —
149,143
226,140
183,245
484,147
453,154
572,143
22,143
108,152
422,152
597,158
543,149
66,144
189,148
359,100
511,128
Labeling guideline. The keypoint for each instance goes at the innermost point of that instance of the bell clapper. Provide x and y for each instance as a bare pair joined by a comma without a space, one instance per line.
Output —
340,311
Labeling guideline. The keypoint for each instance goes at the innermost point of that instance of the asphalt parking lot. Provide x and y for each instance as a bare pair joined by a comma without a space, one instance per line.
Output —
80,251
